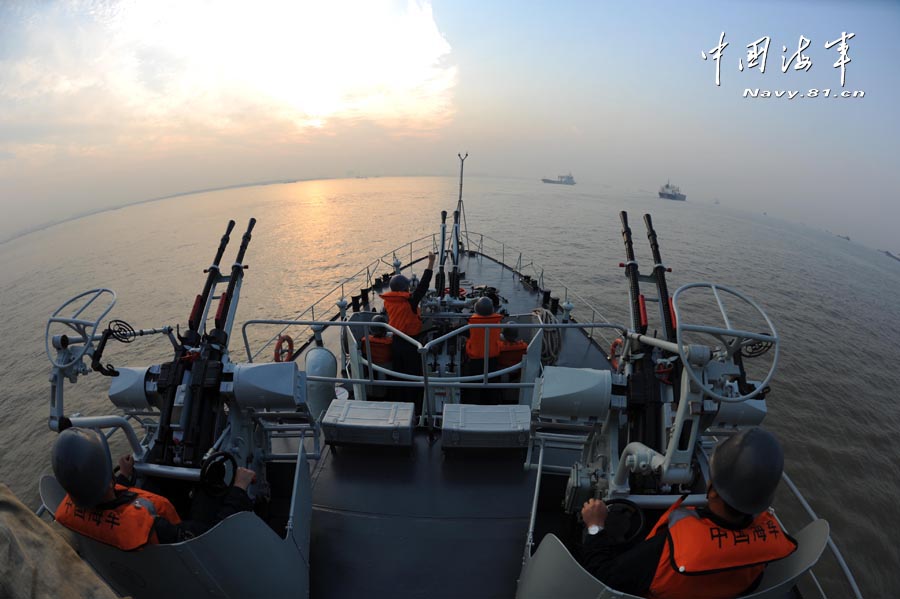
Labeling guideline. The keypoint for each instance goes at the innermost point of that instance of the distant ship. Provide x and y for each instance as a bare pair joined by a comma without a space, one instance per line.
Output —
890,255
671,192
561,180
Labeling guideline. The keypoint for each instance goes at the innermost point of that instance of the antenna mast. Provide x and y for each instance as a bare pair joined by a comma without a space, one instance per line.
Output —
459,204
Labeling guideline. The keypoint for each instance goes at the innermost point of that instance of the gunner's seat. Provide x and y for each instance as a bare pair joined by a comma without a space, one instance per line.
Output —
553,572
215,563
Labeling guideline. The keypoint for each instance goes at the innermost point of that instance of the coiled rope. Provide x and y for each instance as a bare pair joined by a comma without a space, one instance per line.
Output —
552,337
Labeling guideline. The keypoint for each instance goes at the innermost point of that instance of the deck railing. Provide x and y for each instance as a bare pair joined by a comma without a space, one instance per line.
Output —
835,552
413,252
425,380
488,246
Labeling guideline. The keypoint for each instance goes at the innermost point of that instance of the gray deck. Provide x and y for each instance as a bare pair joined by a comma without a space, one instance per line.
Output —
418,523
422,522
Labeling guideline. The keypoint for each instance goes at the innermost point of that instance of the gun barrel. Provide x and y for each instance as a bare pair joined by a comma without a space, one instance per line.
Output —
237,270
660,274
212,275
439,279
631,272
454,274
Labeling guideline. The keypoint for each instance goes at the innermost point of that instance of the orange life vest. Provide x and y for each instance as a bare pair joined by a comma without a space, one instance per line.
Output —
702,560
400,313
126,527
381,348
475,344
511,352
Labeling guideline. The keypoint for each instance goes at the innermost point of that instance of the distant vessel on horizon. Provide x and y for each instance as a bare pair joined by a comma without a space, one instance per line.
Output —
671,192
890,255
561,180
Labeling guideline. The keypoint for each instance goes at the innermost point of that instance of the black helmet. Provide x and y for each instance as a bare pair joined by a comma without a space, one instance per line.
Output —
399,283
746,468
484,307
378,331
82,465
510,334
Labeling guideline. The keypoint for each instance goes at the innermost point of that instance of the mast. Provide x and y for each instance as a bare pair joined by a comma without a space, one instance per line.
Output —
459,204
442,257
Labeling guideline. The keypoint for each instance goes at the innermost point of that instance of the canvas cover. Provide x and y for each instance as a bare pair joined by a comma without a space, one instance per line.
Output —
35,561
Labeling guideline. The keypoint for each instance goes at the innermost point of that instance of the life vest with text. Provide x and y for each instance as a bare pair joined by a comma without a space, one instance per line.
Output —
127,527
475,344
703,560
400,313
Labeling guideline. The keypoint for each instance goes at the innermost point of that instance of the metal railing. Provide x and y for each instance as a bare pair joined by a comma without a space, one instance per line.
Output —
835,552
526,266
485,246
425,380
362,279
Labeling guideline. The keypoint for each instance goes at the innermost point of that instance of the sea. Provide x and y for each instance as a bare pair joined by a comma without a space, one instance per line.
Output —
834,303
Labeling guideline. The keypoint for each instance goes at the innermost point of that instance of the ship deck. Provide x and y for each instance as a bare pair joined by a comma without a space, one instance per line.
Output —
425,522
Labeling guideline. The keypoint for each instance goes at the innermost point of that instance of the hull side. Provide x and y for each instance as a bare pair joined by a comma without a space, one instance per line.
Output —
673,196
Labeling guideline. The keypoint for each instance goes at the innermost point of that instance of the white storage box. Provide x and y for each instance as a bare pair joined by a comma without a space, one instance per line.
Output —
486,426
368,422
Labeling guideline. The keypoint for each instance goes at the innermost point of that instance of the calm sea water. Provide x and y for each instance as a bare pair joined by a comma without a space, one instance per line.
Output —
833,302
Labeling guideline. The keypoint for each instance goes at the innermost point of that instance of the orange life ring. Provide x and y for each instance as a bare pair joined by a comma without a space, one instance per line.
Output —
462,292
612,353
281,350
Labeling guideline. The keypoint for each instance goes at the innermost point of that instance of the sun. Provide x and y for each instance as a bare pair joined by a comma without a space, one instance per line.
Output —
308,63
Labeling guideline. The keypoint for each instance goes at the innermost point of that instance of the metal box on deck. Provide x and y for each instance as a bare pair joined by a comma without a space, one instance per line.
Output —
369,422
477,426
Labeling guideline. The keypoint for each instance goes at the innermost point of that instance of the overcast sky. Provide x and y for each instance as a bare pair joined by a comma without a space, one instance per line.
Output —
107,103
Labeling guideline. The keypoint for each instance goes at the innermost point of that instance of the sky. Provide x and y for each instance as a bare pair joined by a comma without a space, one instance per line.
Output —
107,103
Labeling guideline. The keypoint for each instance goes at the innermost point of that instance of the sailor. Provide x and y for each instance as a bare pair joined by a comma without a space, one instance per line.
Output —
109,511
379,341
511,348
403,314
484,314
715,552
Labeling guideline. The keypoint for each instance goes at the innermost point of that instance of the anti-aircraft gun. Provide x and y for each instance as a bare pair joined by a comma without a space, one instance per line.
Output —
203,416
670,396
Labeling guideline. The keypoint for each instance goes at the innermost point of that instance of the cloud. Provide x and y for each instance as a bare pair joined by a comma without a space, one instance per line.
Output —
80,77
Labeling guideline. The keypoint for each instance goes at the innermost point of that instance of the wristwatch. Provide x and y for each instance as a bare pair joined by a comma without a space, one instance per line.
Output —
594,529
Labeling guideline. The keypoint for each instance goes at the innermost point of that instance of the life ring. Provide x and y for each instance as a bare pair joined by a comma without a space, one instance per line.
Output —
281,350
462,292
612,353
